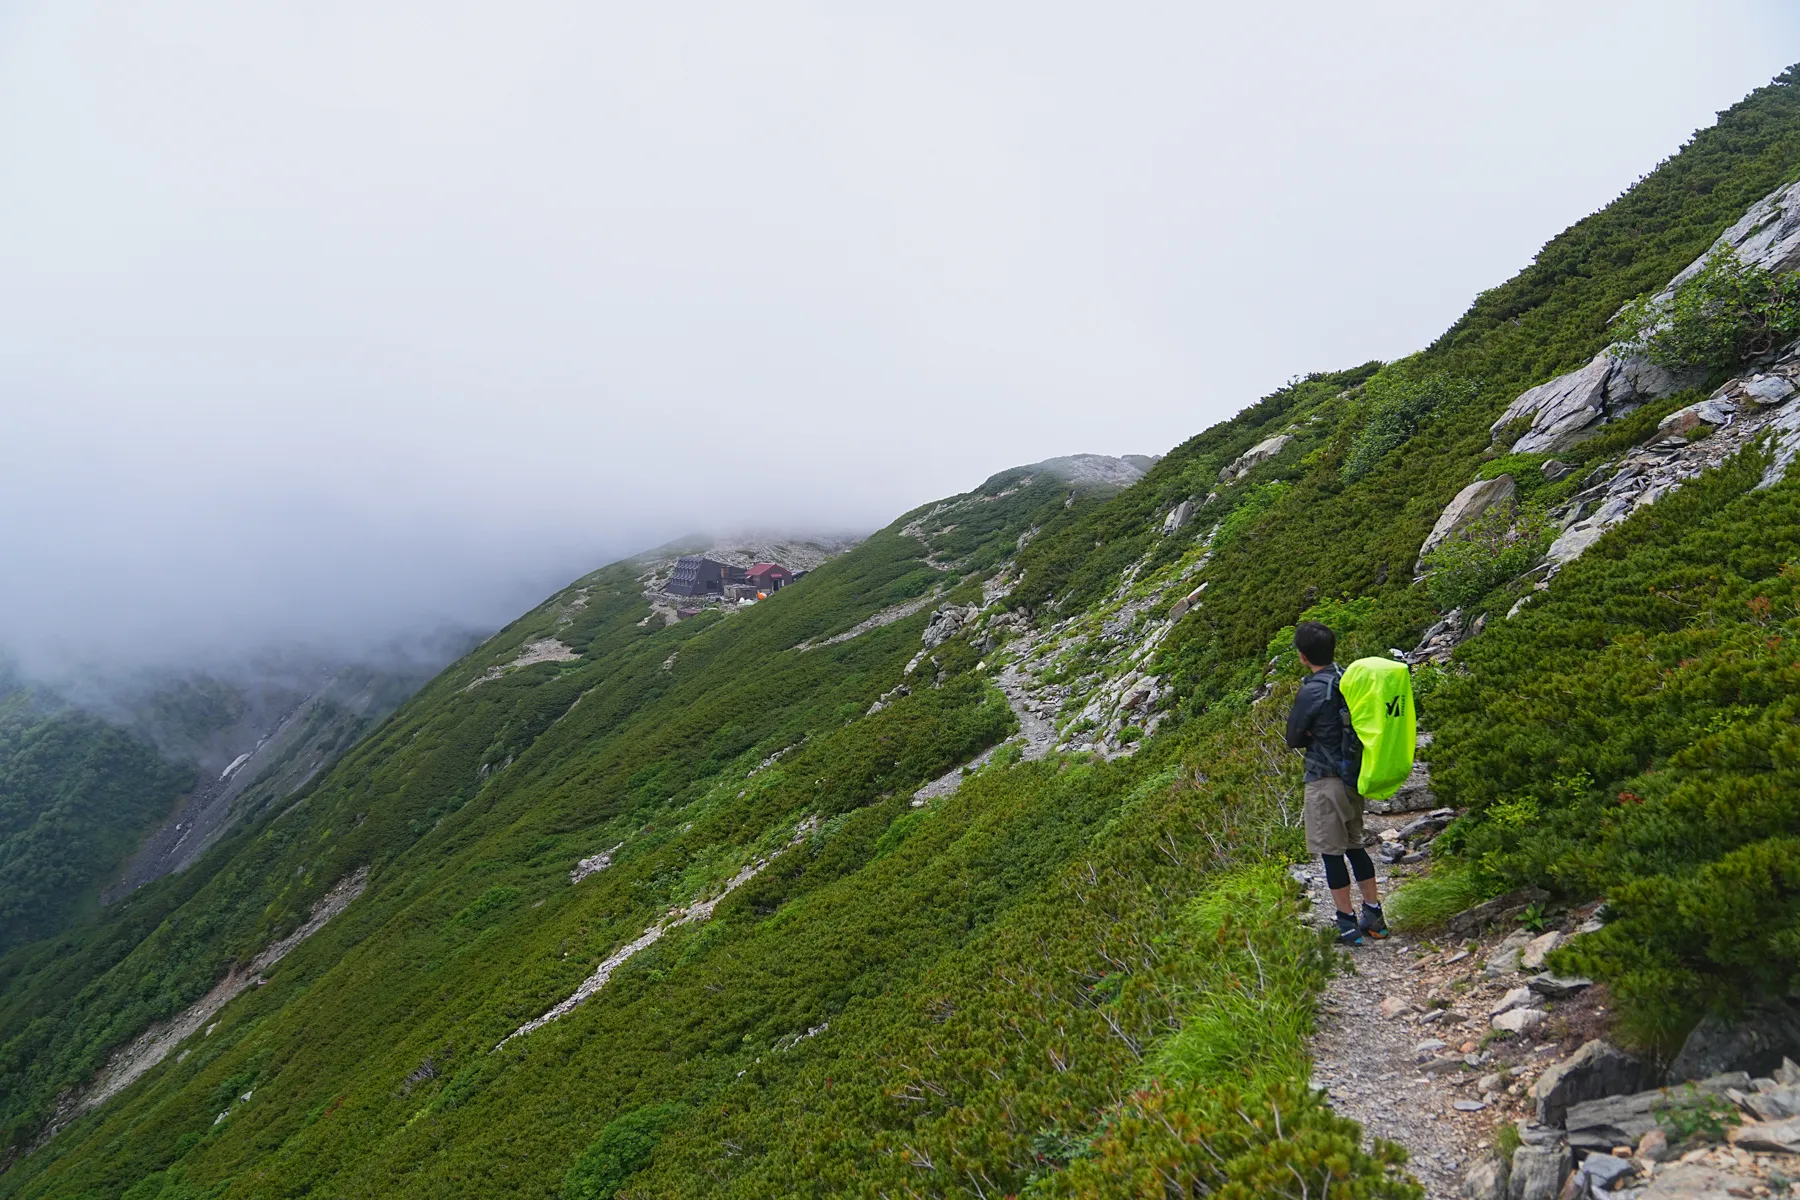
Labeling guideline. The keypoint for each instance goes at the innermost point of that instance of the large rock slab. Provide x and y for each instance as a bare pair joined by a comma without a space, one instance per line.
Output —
1569,409
1768,1137
1469,506
1597,1070
1755,1042
1692,1181
1254,457
1599,1125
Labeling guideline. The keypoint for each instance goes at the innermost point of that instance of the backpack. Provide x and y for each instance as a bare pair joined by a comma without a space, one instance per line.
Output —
1378,694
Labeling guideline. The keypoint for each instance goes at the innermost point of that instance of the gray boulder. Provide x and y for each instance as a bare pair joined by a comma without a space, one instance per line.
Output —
1178,517
1597,1070
1537,1172
1600,1173
1768,389
1469,506
1755,1042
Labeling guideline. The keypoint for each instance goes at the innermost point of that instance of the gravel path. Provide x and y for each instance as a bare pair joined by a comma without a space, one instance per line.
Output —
1368,1064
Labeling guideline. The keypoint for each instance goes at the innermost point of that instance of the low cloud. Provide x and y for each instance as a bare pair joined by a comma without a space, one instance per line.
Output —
336,324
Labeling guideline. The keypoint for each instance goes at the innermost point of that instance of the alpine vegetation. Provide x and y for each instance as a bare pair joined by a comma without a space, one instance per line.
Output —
1054,839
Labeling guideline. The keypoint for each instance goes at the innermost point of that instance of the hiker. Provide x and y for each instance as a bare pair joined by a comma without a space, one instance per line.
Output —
1319,724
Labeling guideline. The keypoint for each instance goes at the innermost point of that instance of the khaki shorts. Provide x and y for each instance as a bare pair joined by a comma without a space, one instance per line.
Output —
1334,816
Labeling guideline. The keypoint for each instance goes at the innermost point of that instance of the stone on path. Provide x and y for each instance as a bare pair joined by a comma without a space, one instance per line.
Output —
1518,1020
1532,957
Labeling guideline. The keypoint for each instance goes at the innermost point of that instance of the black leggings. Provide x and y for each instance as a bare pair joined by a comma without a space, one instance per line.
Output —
1335,874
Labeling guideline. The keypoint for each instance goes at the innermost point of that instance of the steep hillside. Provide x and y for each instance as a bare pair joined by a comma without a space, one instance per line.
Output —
961,866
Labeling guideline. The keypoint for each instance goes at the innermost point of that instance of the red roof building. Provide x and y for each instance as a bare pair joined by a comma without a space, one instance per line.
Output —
768,577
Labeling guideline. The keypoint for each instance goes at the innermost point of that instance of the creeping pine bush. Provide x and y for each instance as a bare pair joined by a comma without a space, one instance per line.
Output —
1496,548
1632,736
1728,312
1395,402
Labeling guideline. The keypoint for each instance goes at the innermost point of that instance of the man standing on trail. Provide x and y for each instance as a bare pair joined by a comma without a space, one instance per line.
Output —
1319,724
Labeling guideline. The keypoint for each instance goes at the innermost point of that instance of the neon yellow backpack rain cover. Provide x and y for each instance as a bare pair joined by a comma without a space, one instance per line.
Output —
1378,692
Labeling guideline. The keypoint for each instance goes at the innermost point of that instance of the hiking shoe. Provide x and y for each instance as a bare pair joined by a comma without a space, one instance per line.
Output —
1349,932
1373,924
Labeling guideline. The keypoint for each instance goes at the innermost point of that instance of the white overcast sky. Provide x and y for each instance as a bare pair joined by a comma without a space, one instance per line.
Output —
336,319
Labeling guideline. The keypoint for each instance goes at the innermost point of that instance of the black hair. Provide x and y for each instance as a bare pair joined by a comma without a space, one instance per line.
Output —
1315,641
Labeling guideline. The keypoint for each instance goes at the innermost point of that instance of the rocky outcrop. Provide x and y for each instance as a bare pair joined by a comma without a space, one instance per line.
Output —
1741,412
1571,408
1254,457
1444,636
947,622
1469,506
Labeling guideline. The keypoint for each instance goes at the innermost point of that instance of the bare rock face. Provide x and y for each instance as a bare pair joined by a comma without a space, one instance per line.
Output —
1254,457
1758,1042
1469,506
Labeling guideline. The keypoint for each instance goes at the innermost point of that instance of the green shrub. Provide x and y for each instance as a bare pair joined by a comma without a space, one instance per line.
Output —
1725,314
1395,402
626,1146
1498,547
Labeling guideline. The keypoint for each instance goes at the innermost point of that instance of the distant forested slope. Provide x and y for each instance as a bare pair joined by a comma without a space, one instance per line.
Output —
76,794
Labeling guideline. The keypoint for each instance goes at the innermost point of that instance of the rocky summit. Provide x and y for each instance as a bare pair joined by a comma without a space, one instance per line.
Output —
966,858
